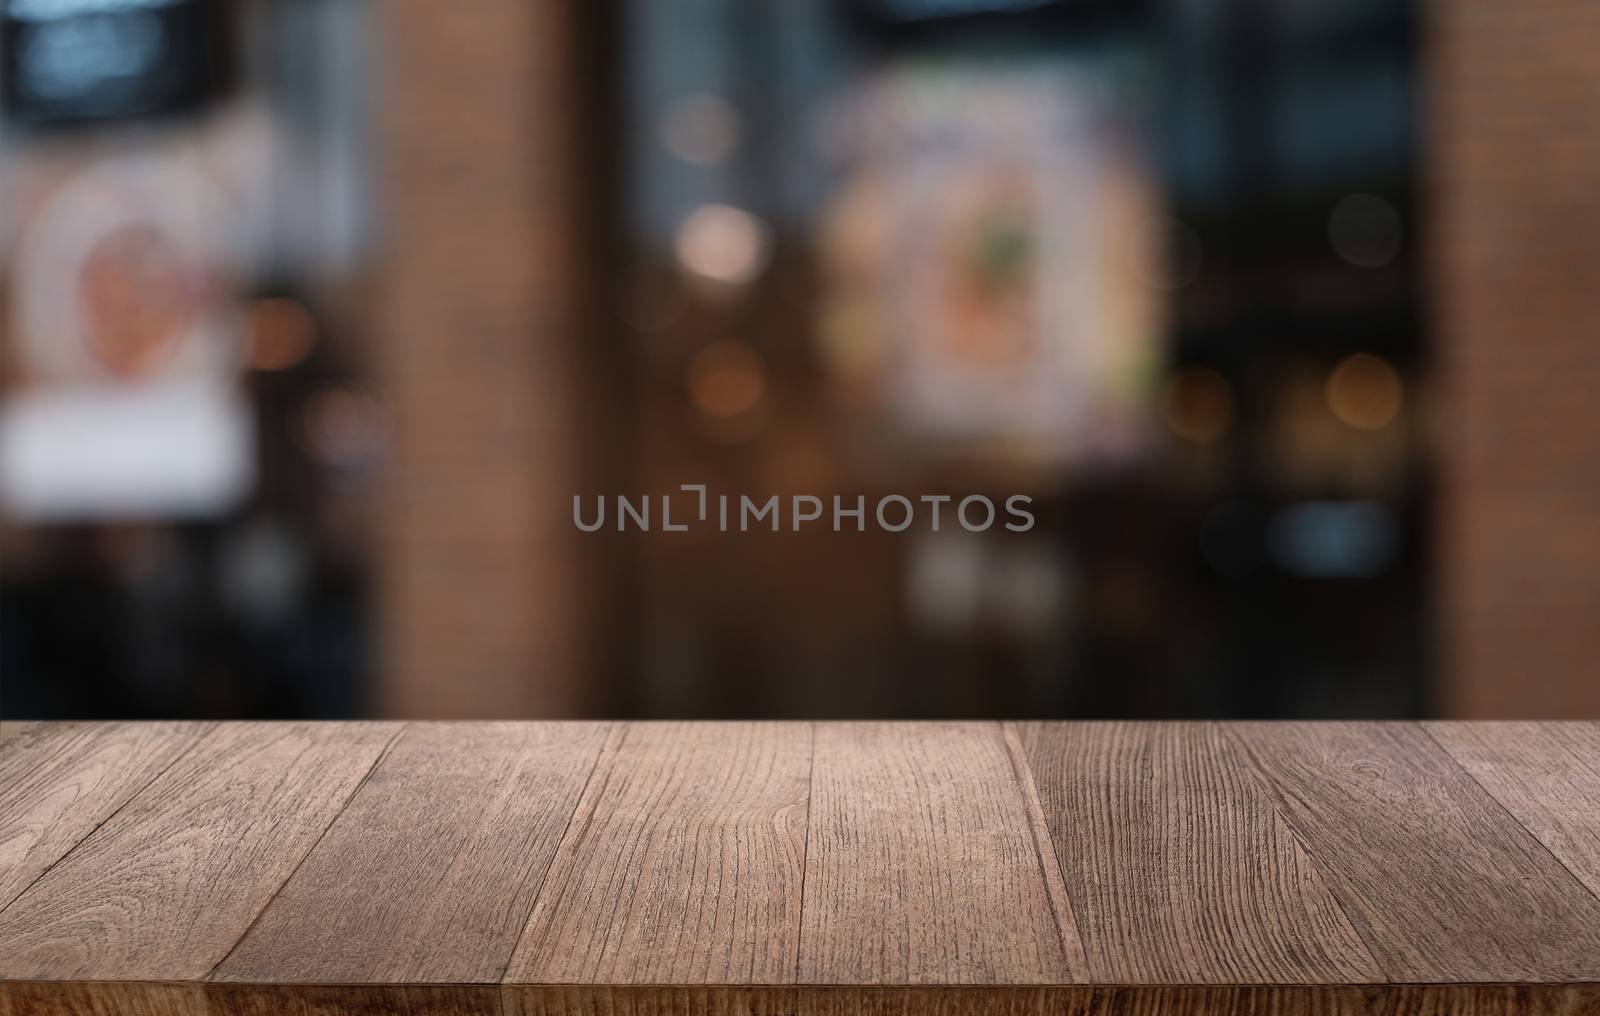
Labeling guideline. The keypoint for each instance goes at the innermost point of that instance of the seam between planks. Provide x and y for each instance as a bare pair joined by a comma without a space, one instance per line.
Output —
1490,794
618,733
1241,757
805,858
320,837
1055,885
210,730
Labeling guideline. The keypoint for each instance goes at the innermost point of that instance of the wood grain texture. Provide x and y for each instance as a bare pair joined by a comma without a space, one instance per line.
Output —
1179,868
1547,775
122,999
1057,1000
166,887
14,728
58,782
352,1000
1441,883
429,874
88,998
649,1000
683,863
921,863
833,869
804,1000
133,998
42,998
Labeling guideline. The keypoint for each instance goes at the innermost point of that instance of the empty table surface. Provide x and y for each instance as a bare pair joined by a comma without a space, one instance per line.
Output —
790,868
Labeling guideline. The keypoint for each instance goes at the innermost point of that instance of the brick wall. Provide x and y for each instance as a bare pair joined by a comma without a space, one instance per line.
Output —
1514,174
476,338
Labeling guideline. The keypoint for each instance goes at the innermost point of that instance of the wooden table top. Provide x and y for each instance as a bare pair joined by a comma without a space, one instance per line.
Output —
796,868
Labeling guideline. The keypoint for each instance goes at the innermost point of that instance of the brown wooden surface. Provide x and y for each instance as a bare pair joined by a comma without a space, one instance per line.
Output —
1547,775
429,874
1184,871
733,869
1441,882
56,789
921,865
646,888
167,885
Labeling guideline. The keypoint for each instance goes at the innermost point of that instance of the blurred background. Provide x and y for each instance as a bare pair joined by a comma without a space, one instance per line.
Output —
316,314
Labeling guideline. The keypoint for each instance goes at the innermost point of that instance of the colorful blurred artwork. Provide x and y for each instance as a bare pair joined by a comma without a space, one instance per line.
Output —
984,272
980,265
123,400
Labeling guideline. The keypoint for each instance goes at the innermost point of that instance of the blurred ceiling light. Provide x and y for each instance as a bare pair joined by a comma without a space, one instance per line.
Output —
726,380
723,244
1198,404
1365,391
282,333
1365,231
701,129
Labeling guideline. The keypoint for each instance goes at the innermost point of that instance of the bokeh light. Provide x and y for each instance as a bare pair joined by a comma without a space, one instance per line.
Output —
723,244
282,333
1365,231
727,380
1365,392
701,129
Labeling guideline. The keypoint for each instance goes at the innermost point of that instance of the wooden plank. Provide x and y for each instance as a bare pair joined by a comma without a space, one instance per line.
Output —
43,998
683,863
14,728
1483,1000
113,998
59,781
430,873
1441,883
352,1000
651,1000
1547,775
194,998
1179,868
939,866
922,866
165,888
1058,1000
1344,1000
803,1000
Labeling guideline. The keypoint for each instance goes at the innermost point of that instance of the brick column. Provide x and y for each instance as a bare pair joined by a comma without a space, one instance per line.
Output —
1513,155
476,346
